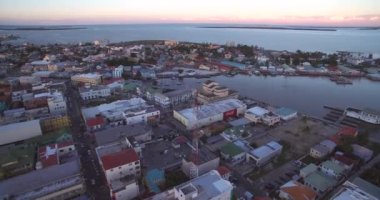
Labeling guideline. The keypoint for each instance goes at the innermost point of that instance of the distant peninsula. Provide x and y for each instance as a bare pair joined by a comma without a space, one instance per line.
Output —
272,28
41,28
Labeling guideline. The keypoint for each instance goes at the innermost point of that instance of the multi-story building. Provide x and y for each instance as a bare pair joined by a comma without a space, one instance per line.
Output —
358,189
261,115
198,163
55,123
94,92
118,71
56,102
91,79
197,117
211,91
174,98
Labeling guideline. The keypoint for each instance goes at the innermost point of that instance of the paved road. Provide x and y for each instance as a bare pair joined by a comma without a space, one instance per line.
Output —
95,181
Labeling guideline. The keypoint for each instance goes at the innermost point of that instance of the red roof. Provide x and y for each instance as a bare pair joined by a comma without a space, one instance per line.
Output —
348,132
223,170
344,159
65,144
48,155
112,80
336,139
180,139
95,121
120,158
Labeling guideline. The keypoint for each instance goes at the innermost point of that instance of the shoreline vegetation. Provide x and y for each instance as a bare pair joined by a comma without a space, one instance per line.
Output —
50,28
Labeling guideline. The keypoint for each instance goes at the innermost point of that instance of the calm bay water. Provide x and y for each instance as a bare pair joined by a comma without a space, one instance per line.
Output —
305,94
347,39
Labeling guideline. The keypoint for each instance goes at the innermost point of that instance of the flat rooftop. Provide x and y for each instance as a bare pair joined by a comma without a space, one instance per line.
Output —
114,134
211,109
43,181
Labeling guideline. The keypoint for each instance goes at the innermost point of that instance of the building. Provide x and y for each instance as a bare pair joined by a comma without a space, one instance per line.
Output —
286,113
319,151
232,153
119,164
125,188
294,190
50,155
55,123
358,189
94,92
19,131
265,153
56,102
131,111
197,117
330,145
332,169
306,171
320,182
55,182
96,123
347,162
199,163
174,98
211,92
366,115
261,115
140,132
224,172
16,159
361,152
91,79
118,72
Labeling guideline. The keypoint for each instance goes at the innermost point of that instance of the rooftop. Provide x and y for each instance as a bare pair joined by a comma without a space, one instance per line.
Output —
320,181
231,149
266,150
285,111
258,111
298,191
212,109
19,131
207,186
309,169
113,134
337,168
119,158
89,75
44,181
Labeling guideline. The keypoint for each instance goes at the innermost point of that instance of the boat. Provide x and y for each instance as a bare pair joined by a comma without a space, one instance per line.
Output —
367,115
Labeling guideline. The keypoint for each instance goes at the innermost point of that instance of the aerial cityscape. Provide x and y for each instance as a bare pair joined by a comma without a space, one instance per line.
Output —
190,100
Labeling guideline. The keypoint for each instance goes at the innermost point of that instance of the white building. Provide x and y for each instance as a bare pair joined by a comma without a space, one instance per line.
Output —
94,92
118,71
319,151
131,111
358,189
91,78
197,117
261,115
367,115
121,166
333,169
56,103
208,186
265,153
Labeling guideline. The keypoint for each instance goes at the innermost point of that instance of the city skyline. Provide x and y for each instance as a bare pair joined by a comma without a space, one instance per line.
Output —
290,12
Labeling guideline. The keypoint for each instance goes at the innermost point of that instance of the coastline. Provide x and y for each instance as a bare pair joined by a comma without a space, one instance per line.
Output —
270,28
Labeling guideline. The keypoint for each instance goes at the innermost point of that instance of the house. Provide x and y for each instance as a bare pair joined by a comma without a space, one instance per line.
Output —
358,189
330,145
224,172
320,182
347,162
361,152
304,172
232,153
294,190
211,91
118,71
265,153
198,163
95,123
348,132
366,115
319,151
286,114
332,169
91,79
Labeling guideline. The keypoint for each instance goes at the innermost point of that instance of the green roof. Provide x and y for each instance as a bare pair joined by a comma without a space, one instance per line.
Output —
320,181
337,168
231,149
309,168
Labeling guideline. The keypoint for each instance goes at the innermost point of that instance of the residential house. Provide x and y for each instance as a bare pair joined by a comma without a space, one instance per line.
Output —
232,153
333,169
294,190
264,154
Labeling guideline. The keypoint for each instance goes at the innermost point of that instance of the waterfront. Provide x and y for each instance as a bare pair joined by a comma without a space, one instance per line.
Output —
346,39
308,95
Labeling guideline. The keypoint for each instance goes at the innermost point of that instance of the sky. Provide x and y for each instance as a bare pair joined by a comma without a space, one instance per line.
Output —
279,12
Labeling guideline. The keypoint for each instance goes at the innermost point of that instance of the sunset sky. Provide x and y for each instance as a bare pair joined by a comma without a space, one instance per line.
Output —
290,12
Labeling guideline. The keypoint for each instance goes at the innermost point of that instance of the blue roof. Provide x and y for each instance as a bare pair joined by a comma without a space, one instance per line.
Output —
153,178
285,111
233,64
